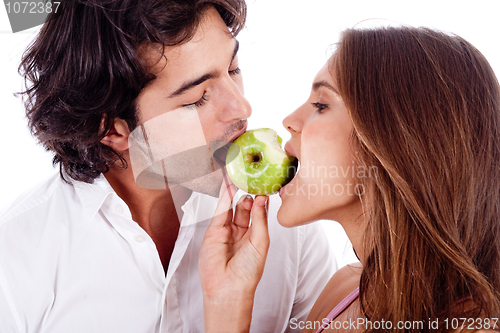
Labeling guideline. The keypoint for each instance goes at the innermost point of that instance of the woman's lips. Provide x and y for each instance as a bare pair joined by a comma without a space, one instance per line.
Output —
283,189
289,149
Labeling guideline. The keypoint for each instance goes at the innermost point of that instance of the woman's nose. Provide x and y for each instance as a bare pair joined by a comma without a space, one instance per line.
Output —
292,123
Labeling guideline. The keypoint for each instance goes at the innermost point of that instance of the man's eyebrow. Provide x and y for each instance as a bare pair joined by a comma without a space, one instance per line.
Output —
212,75
319,84
194,83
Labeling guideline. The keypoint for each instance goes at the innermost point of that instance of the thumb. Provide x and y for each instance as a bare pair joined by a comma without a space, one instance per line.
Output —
260,233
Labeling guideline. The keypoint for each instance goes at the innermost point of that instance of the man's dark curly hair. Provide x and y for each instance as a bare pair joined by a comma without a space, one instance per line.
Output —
84,70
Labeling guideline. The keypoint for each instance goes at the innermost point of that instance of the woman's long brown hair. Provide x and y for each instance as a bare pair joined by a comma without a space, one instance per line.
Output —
426,112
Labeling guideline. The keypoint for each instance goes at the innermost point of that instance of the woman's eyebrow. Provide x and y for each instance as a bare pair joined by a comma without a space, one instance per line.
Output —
319,84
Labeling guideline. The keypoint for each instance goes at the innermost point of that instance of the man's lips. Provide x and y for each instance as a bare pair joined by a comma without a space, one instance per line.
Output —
220,154
240,132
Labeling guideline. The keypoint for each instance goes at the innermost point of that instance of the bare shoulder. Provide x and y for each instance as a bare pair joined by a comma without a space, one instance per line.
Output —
341,284
345,280
349,272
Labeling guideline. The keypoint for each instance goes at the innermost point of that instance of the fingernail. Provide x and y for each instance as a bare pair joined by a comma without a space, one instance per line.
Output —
263,203
248,197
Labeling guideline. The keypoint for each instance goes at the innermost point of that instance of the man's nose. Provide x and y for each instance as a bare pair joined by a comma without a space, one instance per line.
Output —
235,105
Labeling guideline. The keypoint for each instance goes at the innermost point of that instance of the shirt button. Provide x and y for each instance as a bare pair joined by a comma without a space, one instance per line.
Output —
119,209
140,238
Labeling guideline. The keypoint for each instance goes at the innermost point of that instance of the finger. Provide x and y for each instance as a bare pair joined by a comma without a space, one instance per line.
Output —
242,211
224,212
260,233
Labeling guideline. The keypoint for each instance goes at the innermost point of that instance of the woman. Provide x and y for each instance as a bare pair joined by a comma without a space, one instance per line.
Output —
400,141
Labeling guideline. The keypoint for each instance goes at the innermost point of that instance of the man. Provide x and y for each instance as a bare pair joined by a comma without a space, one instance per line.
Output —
105,246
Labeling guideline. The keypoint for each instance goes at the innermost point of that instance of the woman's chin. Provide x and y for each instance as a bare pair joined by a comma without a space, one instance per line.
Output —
290,217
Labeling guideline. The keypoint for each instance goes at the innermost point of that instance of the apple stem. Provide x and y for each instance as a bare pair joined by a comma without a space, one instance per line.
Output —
254,158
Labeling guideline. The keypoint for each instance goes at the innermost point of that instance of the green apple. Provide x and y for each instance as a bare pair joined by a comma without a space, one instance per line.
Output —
257,164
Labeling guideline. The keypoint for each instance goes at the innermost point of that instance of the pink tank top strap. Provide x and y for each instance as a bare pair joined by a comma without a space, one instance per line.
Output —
339,308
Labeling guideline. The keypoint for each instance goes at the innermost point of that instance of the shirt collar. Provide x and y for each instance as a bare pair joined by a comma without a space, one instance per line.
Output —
92,196
199,207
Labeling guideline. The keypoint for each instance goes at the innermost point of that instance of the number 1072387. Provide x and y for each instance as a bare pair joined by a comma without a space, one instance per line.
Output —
41,7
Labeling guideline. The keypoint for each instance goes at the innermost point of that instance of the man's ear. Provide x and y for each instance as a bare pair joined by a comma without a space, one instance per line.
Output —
117,137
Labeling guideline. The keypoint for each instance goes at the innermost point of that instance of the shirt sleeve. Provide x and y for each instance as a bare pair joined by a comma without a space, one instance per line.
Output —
317,265
7,321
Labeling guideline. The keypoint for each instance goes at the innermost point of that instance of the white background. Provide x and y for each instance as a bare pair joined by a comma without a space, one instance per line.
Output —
285,43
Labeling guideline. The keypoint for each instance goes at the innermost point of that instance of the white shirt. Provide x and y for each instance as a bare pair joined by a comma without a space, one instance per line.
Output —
73,260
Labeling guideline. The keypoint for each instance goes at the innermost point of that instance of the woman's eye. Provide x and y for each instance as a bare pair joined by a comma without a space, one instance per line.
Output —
235,71
198,103
320,106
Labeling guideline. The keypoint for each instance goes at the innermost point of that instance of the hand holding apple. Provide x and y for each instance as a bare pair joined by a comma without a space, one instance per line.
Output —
232,260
